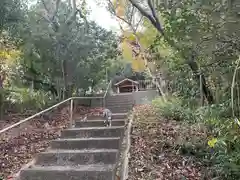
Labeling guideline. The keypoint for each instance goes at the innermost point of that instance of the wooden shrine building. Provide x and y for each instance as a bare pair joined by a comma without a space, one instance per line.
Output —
127,85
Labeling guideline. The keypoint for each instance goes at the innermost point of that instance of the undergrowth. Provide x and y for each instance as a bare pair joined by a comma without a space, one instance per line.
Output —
221,152
205,137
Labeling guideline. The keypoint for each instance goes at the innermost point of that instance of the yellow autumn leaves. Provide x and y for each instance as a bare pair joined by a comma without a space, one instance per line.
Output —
212,142
131,52
119,6
9,57
128,39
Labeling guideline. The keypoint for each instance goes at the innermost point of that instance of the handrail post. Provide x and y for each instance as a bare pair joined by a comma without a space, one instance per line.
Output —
104,102
71,113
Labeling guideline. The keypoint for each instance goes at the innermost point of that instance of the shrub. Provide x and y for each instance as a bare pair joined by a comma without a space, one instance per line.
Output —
25,99
225,153
173,108
217,111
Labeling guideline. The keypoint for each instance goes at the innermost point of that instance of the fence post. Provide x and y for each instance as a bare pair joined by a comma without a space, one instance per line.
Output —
71,113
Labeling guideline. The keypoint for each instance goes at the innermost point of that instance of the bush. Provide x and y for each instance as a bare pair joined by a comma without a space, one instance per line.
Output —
217,111
26,99
224,155
173,108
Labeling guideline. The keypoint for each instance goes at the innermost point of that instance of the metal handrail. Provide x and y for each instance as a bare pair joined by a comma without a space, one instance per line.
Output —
54,106
107,89
104,97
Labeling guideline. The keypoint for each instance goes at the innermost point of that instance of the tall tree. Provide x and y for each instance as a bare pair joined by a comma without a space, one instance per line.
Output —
150,12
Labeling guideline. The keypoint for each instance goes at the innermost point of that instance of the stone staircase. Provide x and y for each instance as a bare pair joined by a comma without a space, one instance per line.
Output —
89,151
120,103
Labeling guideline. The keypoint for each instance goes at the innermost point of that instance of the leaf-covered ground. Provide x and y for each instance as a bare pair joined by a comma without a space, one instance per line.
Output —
160,148
19,145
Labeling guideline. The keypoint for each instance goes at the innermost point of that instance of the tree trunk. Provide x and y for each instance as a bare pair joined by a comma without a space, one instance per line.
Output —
197,74
64,76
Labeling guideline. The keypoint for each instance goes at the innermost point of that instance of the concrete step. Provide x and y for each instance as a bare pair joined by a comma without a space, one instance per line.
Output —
119,116
77,157
83,172
115,131
120,96
114,116
120,106
122,102
99,123
116,109
93,117
86,143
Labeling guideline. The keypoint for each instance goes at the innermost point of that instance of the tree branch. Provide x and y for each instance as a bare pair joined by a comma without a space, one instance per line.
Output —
45,6
56,9
73,13
51,20
146,14
74,5
83,17
138,23
131,15
155,17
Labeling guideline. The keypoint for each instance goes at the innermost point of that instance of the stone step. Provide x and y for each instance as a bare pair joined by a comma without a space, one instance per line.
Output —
98,123
82,172
120,96
123,104
119,106
120,100
114,116
87,132
116,101
122,110
86,143
77,157
119,116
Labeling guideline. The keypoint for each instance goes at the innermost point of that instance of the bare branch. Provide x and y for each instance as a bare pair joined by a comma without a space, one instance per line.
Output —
45,6
73,14
147,15
43,17
51,20
138,23
155,16
131,17
56,9
69,3
74,5
83,17
115,13
129,23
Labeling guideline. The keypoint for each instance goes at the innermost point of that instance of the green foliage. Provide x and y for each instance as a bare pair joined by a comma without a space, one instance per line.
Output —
215,111
204,33
11,14
224,156
58,51
26,99
173,108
